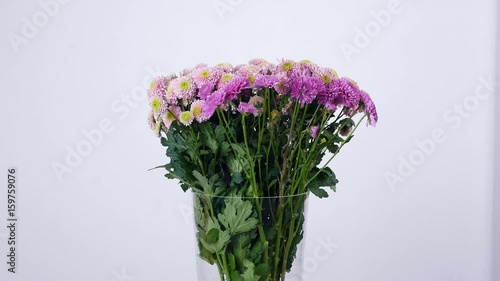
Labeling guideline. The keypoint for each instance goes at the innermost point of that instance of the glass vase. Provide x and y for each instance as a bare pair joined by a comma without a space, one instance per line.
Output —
249,238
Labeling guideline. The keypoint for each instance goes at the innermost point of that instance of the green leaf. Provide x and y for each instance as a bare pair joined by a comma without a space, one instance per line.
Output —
207,138
203,182
238,149
326,178
222,241
241,245
249,274
262,269
234,275
198,212
225,148
257,250
236,216
213,236
321,193
236,179
206,185
220,133
164,141
205,254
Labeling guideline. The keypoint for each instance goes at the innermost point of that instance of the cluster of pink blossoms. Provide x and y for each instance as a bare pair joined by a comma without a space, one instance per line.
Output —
196,94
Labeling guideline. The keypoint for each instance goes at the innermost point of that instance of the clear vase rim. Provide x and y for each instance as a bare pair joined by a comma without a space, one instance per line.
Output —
251,197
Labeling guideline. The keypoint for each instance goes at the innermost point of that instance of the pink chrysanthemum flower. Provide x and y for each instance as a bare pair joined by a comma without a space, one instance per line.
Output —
172,113
170,95
225,79
201,75
286,65
267,68
158,87
205,75
283,84
327,75
184,87
197,110
308,67
226,67
186,118
257,61
157,104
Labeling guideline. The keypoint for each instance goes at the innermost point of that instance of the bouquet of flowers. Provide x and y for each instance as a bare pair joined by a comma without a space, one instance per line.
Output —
249,141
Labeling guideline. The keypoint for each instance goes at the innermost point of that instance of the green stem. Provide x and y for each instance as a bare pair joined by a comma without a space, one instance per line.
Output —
255,192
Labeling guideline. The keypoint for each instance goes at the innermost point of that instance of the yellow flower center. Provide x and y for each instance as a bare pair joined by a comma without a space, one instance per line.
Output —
227,77
156,104
184,85
153,85
185,117
251,78
197,111
205,74
170,116
287,66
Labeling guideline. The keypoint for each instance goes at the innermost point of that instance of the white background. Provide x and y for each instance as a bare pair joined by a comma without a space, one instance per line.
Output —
109,219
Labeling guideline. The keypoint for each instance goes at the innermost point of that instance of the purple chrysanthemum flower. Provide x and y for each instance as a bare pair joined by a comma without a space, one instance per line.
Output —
314,132
369,108
305,88
345,92
245,107
234,87
265,81
213,101
205,90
